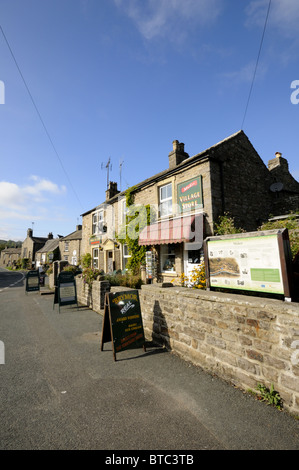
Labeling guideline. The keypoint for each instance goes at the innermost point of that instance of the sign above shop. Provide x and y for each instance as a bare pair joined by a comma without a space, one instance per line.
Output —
189,194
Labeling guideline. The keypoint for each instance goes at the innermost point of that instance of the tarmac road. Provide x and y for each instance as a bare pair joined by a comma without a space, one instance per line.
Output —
60,391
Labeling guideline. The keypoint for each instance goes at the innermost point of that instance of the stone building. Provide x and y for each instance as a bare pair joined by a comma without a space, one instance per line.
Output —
9,257
186,200
32,244
70,246
48,253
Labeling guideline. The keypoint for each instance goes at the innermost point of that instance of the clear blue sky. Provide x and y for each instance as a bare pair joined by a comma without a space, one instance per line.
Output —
123,79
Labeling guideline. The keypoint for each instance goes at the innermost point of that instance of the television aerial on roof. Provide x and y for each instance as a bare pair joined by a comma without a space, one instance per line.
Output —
108,167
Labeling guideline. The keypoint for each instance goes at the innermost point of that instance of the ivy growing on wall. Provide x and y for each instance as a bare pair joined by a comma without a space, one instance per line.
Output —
137,217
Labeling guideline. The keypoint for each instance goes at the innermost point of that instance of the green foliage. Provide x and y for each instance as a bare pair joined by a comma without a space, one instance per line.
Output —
270,396
137,217
126,280
226,225
291,223
85,260
89,275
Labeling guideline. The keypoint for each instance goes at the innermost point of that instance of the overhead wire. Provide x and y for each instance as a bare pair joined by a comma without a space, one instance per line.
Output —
257,63
40,117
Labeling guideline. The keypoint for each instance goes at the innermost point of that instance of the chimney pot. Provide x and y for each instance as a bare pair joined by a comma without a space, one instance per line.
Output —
278,154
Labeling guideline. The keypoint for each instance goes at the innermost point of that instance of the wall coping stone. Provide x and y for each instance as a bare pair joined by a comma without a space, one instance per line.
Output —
212,296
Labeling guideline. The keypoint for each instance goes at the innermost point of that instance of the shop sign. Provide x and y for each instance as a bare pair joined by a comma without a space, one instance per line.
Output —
122,322
189,194
32,281
65,292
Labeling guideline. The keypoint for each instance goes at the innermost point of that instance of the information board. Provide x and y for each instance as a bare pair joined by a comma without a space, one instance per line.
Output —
255,261
32,281
122,322
65,291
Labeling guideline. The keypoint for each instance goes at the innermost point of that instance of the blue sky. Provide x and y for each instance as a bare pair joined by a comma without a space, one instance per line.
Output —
123,79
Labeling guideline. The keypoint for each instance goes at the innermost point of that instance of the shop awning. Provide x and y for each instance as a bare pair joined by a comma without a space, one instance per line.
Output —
180,229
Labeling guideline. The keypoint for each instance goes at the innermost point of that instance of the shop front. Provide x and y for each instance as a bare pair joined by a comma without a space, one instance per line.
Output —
175,245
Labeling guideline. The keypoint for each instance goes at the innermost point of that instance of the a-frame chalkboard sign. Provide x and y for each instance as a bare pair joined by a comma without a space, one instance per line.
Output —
32,281
122,322
65,291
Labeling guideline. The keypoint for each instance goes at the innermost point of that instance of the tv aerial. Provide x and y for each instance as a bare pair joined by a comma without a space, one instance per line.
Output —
108,167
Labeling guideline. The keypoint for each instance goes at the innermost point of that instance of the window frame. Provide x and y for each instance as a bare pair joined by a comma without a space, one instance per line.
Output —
164,202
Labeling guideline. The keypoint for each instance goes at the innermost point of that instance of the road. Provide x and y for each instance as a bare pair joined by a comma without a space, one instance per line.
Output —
60,391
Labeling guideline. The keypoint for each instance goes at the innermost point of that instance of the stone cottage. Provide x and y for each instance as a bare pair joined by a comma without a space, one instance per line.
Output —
48,253
9,257
185,201
70,246
32,244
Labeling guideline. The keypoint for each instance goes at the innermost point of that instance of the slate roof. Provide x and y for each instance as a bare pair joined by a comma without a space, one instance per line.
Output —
50,245
76,235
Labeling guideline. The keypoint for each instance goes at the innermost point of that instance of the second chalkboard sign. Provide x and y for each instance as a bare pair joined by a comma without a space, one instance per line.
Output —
122,322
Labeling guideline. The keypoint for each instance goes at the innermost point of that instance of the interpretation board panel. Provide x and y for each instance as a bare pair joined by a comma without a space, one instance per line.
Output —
65,291
32,281
254,261
122,322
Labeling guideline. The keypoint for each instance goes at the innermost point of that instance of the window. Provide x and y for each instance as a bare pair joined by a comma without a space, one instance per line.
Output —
126,255
165,194
66,246
66,258
95,258
97,222
167,258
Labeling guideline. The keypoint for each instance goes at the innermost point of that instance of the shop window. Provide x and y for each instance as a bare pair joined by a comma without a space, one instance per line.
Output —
95,258
167,255
165,196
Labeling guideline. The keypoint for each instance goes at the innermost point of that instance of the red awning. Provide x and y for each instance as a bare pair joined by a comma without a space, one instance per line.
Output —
181,229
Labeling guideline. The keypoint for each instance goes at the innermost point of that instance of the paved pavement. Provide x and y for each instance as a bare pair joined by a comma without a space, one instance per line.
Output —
60,391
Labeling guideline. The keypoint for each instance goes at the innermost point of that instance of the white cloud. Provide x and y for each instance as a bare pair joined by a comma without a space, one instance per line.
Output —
19,201
245,73
284,15
155,18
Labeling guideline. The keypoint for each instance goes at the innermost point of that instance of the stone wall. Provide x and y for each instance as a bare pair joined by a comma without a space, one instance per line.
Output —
242,339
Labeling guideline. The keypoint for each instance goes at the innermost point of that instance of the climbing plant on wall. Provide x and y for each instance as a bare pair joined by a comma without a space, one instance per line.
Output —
137,217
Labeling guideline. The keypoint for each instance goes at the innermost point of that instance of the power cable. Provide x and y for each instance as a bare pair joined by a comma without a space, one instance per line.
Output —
257,62
40,117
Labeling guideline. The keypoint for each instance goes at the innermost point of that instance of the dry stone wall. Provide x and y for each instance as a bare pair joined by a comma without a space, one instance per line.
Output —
245,340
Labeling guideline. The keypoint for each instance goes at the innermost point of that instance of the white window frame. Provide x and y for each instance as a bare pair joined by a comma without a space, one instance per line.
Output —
66,246
97,218
164,206
95,251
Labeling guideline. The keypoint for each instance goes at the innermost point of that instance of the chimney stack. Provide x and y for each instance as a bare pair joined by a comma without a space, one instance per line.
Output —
29,233
50,236
178,154
112,190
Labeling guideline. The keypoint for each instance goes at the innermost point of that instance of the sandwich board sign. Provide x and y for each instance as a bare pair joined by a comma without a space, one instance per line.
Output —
122,322
32,281
65,291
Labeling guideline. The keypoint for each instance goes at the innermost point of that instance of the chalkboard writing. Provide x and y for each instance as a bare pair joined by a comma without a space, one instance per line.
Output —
32,281
65,291
122,323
